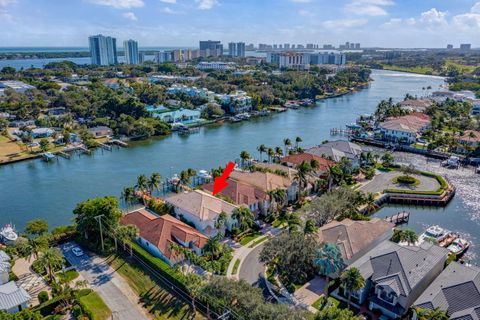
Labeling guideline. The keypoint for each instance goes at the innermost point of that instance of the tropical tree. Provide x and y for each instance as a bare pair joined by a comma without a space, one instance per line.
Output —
194,284
278,198
186,177
44,144
261,149
244,155
309,227
213,249
278,151
271,154
293,222
370,202
297,142
244,218
335,313
36,227
221,221
142,184
329,260
352,281
52,259
303,171
31,247
430,314
387,159
154,182
408,170
129,196
287,143
404,235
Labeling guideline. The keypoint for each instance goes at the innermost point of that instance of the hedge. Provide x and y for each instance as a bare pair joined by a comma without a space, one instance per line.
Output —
48,307
438,192
159,265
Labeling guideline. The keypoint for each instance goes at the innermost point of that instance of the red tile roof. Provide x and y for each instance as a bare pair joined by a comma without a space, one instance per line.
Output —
471,136
240,192
162,230
298,158
412,122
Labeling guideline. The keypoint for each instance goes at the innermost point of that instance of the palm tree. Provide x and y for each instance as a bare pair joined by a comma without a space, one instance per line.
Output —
370,202
221,222
297,142
244,217
279,151
213,248
429,314
277,197
194,284
310,227
154,182
261,149
271,154
409,236
287,143
142,184
51,259
303,170
293,222
330,261
352,281
244,155
128,195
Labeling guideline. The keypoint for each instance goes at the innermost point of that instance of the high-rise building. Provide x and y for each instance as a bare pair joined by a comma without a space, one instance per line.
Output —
103,50
240,49
286,46
232,49
141,57
357,46
449,46
130,48
236,49
214,48
465,46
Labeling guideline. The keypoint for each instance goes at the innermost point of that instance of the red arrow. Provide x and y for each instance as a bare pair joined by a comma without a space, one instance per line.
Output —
221,182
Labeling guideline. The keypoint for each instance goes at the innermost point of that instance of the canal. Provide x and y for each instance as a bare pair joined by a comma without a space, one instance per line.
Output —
35,189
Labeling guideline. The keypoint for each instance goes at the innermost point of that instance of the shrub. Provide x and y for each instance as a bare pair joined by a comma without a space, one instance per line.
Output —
43,297
77,311
406,180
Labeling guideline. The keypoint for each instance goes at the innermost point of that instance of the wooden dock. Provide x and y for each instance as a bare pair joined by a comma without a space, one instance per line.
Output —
119,143
105,146
399,218
63,154
340,131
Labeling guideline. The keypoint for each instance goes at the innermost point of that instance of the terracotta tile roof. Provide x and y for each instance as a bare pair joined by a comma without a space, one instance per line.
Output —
298,158
417,103
412,122
240,192
201,204
162,230
470,136
265,181
353,236
275,166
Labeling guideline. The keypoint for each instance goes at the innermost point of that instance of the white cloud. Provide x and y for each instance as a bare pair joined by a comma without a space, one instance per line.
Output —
4,3
169,11
130,15
476,8
344,23
119,4
433,17
169,1
206,4
369,7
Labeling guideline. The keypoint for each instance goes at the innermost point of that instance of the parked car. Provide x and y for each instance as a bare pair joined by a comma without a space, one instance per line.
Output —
77,251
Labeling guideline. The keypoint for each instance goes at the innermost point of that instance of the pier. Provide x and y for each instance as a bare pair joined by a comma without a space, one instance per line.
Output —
340,131
119,143
399,218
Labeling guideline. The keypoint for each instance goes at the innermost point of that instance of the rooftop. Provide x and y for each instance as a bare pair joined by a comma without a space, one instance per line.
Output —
11,296
470,136
265,181
298,158
412,122
240,192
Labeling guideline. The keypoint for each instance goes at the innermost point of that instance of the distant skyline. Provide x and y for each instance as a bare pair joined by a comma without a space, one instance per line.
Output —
154,23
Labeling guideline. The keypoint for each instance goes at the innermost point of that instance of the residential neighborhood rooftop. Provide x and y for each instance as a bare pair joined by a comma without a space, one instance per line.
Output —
298,158
240,192
412,123
11,296
266,181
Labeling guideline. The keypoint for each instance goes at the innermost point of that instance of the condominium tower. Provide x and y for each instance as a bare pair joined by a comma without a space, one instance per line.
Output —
130,48
103,50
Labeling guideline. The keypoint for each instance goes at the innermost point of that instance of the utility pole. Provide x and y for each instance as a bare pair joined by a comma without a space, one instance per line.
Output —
99,219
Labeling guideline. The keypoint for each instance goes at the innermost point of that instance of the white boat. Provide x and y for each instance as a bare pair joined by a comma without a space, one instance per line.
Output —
452,162
8,234
436,233
458,246
204,174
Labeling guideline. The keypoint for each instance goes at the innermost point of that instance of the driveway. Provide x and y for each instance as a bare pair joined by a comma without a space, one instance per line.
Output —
311,291
29,280
383,181
115,292
251,269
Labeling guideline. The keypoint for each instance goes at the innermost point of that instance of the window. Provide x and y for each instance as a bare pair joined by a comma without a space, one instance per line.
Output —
387,295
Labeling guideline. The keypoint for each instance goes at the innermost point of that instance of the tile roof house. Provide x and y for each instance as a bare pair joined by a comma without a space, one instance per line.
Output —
395,276
202,209
100,131
355,238
469,138
242,193
267,181
157,232
12,297
336,150
295,160
417,105
404,129
456,290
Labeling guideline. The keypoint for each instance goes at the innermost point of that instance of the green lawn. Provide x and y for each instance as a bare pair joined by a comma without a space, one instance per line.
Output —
249,238
94,305
157,300
68,276
253,244
235,266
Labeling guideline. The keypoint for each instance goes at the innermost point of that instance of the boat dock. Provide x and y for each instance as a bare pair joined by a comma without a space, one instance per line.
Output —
399,218
340,131
119,143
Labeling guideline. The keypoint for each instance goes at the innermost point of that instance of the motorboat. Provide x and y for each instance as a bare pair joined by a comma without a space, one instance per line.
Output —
458,246
8,234
434,233
235,119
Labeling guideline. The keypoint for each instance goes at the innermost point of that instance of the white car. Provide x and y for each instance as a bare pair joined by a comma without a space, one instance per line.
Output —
77,251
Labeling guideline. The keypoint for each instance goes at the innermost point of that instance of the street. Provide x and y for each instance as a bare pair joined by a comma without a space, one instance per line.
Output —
251,268
111,287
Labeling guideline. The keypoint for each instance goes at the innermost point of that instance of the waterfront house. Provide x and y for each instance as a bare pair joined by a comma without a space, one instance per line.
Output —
15,85
355,238
12,297
192,91
395,276
42,133
404,129
242,193
294,160
100,131
469,140
237,102
202,210
21,123
268,181
417,105
156,233
185,116
336,150
456,291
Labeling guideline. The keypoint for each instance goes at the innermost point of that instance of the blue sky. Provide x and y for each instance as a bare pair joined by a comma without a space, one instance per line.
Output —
389,23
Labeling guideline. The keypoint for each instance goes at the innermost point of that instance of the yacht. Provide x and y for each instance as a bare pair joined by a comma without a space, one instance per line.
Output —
8,234
458,246
435,233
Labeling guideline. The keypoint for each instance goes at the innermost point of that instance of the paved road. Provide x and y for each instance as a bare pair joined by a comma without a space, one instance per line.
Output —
251,268
114,291
384,181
